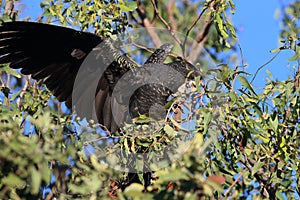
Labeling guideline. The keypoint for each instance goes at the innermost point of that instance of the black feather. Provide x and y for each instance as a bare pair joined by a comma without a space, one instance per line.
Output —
45,52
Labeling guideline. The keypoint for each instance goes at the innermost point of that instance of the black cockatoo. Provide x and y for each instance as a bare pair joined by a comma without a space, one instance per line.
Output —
54,54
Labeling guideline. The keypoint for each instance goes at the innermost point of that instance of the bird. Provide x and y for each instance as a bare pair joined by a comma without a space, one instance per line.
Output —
54,54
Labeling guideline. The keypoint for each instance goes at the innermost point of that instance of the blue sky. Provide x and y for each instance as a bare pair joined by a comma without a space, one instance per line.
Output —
258,33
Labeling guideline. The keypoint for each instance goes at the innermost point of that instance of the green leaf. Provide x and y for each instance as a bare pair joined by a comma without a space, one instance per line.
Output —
197,82
126,145
143,141
274,124
177,124
172,175
257,109
44,4
208,190
142,119
36,180
207,119
279,195
247,151
198,139
296,55
256,167
134,190
286,183
170,131
221,27
128,7
246,84
216,186
132,144
141,178
15,95
269,73
9,70
13,180
233,97
46,175
131,5
5,91
233,8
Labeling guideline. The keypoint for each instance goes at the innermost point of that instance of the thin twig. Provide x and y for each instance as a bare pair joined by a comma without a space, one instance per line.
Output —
190,29
9,8
159,16
199,42
146,23
23,90
165,23
242,55
170,8
231,186
264,66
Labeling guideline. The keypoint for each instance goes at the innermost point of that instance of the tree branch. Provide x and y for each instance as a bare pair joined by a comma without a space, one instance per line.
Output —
268,62
146,23
201,37
267,190
164,22
9,8
170,8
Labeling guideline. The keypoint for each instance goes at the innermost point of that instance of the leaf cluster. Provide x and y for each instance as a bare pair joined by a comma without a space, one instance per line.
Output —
244,141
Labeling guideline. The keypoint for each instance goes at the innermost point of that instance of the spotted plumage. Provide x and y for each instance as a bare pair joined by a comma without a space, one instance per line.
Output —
54,54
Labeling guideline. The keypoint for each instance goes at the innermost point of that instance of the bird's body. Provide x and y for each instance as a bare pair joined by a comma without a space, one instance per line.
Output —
55,54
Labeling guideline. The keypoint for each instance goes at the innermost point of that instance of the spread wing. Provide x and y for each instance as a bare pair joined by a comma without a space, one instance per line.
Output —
55,54
47,52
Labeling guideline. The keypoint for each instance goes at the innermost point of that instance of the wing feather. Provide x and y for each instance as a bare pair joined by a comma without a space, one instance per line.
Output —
45,52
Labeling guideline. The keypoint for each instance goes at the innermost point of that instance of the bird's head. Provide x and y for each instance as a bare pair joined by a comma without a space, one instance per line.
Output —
185,68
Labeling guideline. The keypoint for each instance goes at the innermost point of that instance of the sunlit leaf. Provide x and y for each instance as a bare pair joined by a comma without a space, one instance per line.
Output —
246,84
258,165
134,190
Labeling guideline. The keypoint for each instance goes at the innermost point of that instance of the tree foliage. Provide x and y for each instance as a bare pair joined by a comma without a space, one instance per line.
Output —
245,141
